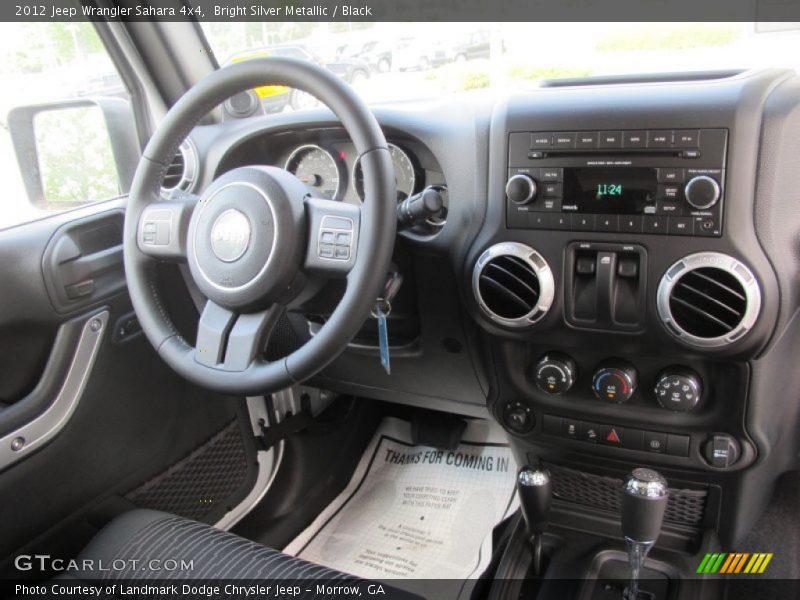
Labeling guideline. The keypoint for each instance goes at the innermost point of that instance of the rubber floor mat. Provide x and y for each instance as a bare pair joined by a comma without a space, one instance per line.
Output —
417,513
199,483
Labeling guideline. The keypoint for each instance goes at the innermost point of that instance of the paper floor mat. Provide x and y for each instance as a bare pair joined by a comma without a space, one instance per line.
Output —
414,512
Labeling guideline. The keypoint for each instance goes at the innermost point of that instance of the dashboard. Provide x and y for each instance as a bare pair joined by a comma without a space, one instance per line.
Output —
325,159
616,281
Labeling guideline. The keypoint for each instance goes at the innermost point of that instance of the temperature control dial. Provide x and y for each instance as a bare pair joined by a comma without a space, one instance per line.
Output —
521,188
702,192
615,382
679,389
555,373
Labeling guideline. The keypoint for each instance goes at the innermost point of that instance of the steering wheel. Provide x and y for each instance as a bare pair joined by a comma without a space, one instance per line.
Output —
256,237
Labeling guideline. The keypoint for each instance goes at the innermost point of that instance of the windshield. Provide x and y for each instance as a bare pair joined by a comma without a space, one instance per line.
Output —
405,61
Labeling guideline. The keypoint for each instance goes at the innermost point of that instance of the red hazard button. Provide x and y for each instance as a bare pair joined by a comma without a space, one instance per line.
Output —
612,436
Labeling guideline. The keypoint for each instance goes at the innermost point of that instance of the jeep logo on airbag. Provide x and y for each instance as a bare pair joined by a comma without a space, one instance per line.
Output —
230,235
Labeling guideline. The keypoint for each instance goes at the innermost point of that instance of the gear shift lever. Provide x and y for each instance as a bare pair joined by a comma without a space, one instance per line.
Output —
535,495
644,500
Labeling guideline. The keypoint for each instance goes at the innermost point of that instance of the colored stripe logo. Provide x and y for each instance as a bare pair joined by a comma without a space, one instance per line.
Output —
734,563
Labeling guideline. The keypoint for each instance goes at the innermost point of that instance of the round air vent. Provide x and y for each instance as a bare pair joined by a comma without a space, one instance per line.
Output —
242,105
709,299
513,284
182,171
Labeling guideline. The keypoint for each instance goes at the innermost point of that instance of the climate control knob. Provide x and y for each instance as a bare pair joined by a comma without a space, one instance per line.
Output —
679,389
555,373
615,381
702,191
521,188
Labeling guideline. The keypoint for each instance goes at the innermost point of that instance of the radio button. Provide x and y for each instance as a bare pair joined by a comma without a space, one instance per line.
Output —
561,221
659,139
607,223
564,140
611,139
681,226
687,138
541,141
668,208
670,175
630,223
586,139
552,190
537,220
550,205
552,174
669,192
655,224
583,222
635,139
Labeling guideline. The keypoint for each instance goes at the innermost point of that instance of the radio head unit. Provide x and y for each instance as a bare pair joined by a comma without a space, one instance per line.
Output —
663,181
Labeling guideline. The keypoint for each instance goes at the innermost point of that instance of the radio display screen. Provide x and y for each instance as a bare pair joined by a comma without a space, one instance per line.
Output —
609,190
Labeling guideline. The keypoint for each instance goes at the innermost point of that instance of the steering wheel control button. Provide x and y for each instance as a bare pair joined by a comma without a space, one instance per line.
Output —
615,382
679,389
156,227
230,235
555,373
721,451
518,417
335,238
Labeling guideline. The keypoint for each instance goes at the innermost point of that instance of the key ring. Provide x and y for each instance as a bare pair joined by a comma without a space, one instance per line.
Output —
385,307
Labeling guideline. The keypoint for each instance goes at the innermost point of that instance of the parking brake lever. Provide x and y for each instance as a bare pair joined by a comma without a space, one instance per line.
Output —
418,208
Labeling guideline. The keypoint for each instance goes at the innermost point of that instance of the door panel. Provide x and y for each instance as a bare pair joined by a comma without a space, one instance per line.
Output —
133,416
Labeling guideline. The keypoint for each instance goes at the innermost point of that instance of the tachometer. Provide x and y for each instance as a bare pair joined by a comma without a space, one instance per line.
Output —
404,172
317,168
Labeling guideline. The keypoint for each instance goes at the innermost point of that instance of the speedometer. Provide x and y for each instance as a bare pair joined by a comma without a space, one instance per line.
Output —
316,167
404,173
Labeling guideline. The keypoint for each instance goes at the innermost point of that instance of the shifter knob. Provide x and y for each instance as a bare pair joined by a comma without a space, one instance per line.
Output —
644,501
535,495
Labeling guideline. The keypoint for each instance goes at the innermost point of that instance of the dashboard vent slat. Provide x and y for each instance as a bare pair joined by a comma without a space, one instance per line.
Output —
708,302
180,173
513,284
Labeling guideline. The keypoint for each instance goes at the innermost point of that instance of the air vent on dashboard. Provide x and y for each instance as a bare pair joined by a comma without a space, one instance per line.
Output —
513,284
709,299
182,171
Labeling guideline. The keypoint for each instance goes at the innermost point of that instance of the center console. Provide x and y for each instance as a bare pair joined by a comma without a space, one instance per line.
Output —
623,295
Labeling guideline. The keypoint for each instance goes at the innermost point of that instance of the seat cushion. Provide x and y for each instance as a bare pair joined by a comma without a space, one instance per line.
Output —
147,544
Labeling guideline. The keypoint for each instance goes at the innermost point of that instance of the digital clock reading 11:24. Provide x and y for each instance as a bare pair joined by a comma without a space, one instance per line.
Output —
609,189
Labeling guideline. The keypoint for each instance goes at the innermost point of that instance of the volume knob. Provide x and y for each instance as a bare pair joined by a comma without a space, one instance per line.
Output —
702,192
521,188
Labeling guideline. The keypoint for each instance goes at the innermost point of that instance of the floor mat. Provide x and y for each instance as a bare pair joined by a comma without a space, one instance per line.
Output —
414,512
202,482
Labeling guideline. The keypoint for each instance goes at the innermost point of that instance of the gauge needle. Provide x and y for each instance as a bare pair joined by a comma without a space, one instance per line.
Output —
312,180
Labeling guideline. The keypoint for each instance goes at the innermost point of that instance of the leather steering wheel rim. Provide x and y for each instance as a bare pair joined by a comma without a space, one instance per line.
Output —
375,235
